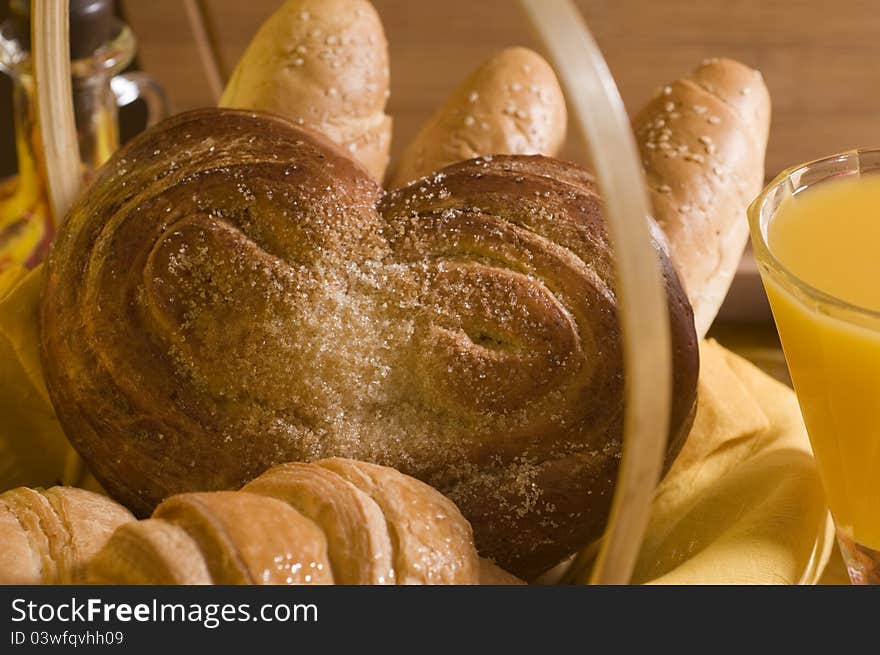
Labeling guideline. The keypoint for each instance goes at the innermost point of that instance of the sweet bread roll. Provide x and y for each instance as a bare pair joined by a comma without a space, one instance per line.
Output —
48,536
322,64
333,521
512,104
703,140
233,292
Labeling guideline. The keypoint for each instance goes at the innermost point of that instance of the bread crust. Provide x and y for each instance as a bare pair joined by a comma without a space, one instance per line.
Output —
702,140
322,64
512,104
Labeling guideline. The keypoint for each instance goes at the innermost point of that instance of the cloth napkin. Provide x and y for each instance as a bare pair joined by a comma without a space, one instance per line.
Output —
742,504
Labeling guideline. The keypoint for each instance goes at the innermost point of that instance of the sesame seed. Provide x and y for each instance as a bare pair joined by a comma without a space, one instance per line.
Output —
667,90
714,120
669,106
699,109
651,146
664,188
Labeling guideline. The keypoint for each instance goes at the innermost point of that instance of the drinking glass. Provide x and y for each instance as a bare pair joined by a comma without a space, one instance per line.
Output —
832,348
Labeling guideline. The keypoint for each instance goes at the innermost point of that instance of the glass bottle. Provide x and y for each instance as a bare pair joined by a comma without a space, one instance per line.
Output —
101,46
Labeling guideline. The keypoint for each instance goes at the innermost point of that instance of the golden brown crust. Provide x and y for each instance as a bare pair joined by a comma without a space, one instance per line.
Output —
431,541
150,552
47,536
322,64
512,104
410,534
231,293
358,543
703,139
250,539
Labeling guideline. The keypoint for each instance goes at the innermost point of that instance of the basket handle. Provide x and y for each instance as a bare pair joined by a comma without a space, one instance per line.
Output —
50,36
642,310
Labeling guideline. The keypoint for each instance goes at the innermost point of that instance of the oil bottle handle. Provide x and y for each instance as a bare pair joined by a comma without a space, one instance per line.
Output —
132,86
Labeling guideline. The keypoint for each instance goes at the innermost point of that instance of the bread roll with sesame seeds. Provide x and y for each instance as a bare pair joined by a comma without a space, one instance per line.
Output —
322,64
702,140
511,104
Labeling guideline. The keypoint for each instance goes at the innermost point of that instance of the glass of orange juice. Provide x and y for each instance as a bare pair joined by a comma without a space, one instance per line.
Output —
816,237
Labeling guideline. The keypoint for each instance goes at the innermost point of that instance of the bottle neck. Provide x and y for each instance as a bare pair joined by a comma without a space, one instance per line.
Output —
95,111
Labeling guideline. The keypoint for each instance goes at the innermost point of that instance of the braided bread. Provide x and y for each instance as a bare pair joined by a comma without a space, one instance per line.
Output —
233,292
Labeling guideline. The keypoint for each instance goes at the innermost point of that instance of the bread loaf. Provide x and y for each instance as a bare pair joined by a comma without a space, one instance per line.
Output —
703,140
511,104
322,64
233,292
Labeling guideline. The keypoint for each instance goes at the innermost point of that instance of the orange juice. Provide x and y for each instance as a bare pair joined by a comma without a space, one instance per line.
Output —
829,237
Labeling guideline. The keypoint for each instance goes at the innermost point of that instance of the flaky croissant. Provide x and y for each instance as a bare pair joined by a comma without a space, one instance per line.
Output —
47,536
233,292
333,521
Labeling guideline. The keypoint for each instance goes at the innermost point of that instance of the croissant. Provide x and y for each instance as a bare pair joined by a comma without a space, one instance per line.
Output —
333,521
47,536
232,292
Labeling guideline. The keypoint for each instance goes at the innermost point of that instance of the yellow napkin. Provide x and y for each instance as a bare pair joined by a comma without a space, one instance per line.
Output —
32,446
742,503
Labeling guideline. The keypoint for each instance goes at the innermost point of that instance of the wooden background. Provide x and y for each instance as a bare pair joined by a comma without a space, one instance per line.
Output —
821,60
